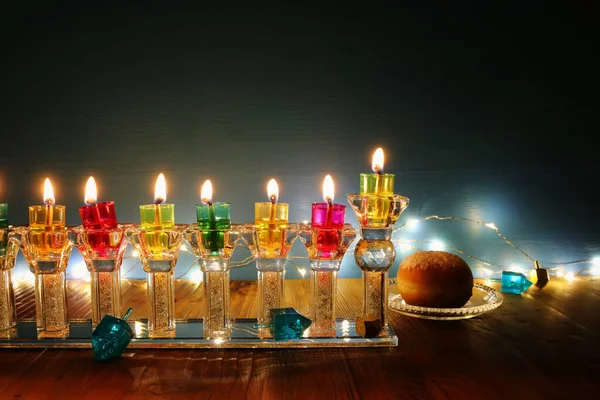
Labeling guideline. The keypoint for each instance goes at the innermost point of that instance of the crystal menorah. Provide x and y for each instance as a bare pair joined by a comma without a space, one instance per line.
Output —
46,247
102,251
213,248
374,253
8,317
158,247
269,244
326,248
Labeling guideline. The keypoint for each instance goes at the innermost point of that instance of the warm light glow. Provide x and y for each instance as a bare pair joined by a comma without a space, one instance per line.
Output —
206,192
570,276
328,189
135,253
560,272
487,271
160,190
595,270
219,340
196,276
139,328
412,223
437,245
91,193
377,164
273,190
517,269
302,272
48,193
491,226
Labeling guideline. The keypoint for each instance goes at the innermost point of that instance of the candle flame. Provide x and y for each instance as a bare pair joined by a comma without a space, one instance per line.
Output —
206,192
328,189
160,190
377,164
273,190
91,193
48,193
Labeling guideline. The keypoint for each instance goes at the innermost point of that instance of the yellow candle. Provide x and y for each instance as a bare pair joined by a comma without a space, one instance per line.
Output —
270,218
44,219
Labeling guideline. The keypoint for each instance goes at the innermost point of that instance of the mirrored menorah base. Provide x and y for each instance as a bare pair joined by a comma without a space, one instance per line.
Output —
189,334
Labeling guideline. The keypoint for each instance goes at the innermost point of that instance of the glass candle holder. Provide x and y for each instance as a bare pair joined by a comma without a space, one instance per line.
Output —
374,252
8,317
269,245
102,251
158,250
46,248
326,248
214,220
99,216
215,264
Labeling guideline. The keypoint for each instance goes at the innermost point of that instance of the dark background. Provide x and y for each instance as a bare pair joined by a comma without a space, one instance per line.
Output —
484,112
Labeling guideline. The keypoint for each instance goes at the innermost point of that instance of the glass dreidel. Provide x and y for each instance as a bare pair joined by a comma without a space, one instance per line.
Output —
213,248
158,247
111,336
326,248
286,323
102,251
46,247
269,245
8,317
374,252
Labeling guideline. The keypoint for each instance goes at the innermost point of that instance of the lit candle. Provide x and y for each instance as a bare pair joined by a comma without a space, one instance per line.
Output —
328,215
3,215
271,215
97,215
3,225
213,218
327,219
158,215
49,215
377,183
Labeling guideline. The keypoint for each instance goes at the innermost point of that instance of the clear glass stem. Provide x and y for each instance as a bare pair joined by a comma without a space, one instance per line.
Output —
216,305
51,305
8,317
161,301
106,295
375,296
270,296
323,288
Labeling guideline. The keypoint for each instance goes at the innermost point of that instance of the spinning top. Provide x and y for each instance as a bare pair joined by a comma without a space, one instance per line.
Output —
111,337
287,323
541,275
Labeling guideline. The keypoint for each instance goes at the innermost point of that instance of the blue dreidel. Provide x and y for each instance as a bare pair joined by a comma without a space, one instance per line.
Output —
514,282
287,323
111,337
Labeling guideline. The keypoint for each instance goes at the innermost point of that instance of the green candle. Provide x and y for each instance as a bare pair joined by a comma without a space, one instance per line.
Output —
3,215
213,218
3,225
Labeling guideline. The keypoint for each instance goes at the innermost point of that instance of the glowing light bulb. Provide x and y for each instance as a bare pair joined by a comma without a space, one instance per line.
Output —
570,276
302,272
491,226
412,223
196,276
437,245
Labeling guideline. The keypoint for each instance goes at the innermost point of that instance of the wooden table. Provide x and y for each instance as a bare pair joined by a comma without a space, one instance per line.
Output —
543,344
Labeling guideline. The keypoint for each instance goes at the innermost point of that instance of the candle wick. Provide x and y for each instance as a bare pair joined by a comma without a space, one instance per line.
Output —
210,203
273,199
329,202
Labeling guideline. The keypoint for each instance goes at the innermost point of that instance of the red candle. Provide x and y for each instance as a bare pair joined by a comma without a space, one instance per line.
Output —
98,219
327,219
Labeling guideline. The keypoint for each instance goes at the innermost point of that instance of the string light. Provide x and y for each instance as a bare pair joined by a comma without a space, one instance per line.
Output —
570,276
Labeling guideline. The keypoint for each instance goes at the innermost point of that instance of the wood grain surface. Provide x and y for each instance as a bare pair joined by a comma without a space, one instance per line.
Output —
539,345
